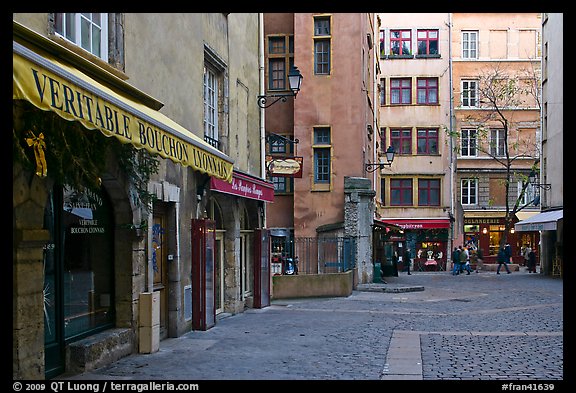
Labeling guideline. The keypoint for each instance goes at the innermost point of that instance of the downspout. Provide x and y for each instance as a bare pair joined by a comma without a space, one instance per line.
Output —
452,158
262,111
150,262
375,103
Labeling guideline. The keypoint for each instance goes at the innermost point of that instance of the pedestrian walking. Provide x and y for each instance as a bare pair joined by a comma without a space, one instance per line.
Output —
479,260
464,260
508,252
502,259
531,261
526,254
455,261
407,259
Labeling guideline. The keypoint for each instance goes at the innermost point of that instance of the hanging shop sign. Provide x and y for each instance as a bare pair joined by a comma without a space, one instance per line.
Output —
51,85
245,186
284,166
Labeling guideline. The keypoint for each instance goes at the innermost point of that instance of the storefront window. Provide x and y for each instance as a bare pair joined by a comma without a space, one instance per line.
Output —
281,249
471,236
431,250
88,255
472,228
495,236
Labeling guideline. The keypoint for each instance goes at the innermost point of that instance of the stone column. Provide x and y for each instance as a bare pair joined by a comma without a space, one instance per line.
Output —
358,220
29,197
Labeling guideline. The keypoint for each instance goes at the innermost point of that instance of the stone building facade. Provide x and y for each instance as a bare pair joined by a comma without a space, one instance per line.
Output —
331,125
415,191
101,274
494,47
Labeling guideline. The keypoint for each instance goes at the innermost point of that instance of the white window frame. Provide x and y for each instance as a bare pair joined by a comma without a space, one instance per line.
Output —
529,193
465,93
75,36
496,148
465,141
211,99
467,191
469,37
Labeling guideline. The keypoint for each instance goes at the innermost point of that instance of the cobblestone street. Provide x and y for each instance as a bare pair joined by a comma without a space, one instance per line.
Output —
478,327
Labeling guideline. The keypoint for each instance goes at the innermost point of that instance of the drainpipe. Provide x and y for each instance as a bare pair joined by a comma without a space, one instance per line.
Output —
150,221
262,111
375,101
452,158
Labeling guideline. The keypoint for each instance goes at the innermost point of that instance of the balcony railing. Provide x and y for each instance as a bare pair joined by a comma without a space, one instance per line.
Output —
213,142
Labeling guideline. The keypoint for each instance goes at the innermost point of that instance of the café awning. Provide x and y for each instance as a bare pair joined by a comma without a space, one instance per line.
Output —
523,215
52,85
417,223
546,221
246,186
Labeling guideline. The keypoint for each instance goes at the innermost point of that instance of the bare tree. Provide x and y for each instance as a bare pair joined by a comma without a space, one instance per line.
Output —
503,94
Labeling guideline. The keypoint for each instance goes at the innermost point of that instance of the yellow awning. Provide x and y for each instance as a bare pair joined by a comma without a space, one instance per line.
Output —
51,85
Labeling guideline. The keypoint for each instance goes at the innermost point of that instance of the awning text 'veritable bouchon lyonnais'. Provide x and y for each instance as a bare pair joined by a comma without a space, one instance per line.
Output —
48,91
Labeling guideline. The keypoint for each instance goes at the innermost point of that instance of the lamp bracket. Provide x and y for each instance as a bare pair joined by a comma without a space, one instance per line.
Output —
263,100
374,166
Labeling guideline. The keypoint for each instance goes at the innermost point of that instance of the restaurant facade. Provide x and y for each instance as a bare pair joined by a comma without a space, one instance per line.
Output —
169,234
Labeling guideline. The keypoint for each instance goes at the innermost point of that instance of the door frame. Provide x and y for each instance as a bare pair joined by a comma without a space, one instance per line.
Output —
220,273
161,286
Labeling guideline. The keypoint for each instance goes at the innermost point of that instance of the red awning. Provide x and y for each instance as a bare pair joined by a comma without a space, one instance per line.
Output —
411,223
245,186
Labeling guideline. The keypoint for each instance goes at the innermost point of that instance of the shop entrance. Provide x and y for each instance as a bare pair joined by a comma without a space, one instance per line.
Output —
160,266
389,265
78,271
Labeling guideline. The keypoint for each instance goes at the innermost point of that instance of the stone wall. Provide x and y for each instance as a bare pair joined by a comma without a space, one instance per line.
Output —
313,285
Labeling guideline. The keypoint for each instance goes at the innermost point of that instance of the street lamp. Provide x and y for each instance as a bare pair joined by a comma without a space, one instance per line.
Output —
532,181
294,79
373,166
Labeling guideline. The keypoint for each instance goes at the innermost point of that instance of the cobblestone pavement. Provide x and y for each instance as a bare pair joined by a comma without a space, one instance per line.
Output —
482,326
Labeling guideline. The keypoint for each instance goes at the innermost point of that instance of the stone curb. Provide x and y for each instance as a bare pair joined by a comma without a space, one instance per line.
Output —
388,288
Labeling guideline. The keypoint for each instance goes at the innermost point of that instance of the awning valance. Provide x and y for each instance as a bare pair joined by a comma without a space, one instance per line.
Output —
388,226
51,85
417,223
546,221
245,186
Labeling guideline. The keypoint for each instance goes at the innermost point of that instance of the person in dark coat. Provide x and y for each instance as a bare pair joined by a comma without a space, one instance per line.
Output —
508,252
406,259
502,259
456,261
531,261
